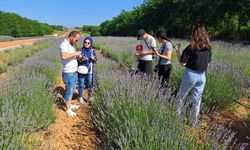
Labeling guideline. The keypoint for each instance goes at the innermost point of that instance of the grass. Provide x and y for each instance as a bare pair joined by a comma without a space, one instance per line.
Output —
14,56
26,99
5,38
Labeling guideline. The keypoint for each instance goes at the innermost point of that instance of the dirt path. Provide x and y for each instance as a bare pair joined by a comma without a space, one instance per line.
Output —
236,119
18,42
68,133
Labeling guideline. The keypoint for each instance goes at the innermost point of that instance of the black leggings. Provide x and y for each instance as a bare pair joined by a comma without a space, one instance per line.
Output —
146,66
164,74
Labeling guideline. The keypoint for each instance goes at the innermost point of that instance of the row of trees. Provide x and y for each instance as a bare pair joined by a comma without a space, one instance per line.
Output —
225,19
17,26
93,30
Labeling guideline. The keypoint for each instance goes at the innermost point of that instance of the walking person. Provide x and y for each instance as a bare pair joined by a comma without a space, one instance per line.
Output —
148,43
87,62
196,58
164,66
69,69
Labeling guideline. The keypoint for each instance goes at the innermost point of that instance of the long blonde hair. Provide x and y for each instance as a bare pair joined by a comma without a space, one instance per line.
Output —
200,39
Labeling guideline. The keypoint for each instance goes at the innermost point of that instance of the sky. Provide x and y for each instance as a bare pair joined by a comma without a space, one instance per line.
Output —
71,13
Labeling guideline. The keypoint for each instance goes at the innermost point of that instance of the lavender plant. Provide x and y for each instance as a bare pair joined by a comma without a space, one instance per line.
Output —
227,76
131,113
26,99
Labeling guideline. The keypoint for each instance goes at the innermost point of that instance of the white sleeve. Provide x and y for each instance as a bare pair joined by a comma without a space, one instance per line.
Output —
153,43
63,48
168,46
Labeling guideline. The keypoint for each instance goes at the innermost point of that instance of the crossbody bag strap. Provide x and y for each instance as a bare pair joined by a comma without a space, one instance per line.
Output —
162,53
147,44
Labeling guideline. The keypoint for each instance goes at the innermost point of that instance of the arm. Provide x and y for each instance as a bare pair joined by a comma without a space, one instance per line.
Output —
167,56
151,46
168,49
65,56
178,54
147,52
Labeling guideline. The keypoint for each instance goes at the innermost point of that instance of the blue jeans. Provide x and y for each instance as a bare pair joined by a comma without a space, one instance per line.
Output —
81,85
69,80
195,82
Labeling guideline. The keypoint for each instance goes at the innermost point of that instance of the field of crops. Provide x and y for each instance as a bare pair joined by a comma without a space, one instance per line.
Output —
129,112
26,99
130,115
228,77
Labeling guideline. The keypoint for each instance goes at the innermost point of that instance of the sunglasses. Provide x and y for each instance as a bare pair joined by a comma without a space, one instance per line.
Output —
86,42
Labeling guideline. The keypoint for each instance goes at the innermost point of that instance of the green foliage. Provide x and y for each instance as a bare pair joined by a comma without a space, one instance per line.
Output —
93,30
57,27
4,38
17,26
224,19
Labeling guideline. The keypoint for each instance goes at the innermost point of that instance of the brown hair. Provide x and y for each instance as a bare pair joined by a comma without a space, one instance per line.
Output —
73,34
200,39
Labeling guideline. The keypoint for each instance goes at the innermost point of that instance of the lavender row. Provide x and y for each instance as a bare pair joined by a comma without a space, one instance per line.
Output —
26,99
131,115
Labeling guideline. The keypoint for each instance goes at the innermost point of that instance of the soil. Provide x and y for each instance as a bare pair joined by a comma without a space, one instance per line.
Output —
237,119
17,42
69,133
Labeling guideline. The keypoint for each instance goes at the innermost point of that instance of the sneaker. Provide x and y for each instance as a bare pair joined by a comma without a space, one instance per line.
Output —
70,113
74,106
81,100
91,100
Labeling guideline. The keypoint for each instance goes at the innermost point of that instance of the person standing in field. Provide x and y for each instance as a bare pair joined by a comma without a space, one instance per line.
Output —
69,69
148,43
88,62
164,65
196,58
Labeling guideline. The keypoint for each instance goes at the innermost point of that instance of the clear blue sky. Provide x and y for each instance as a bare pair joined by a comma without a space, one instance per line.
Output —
69,13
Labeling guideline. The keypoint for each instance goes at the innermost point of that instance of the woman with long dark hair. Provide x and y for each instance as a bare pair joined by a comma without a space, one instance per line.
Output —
196,58
164,65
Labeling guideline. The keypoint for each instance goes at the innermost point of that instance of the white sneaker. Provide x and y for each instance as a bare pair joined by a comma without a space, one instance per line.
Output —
81,100
74,106
70,113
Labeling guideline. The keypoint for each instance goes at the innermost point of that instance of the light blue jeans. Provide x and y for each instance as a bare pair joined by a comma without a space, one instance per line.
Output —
69,80
195,82
81,83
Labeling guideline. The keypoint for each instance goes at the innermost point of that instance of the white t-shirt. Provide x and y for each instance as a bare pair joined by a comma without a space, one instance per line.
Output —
167,47
151,43
69,65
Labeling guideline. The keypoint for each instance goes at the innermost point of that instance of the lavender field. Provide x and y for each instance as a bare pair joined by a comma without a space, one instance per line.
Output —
228,77
130,116
26,98
128,113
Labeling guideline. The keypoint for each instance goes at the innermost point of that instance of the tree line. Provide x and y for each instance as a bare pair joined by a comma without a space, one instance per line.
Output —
224,19
17,26
92,30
